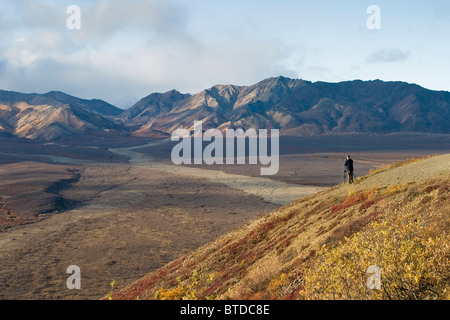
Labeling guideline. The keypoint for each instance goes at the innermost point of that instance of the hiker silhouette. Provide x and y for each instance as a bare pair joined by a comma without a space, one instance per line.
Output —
349,166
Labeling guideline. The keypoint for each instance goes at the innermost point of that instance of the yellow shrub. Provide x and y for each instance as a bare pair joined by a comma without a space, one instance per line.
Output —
110,295
179,293
394,188
413,260
183,291
277,283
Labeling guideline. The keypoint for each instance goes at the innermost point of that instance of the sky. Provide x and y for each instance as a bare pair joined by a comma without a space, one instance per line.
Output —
123,50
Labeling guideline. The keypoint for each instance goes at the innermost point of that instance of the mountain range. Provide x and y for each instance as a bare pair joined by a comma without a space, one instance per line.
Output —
54,116
296,107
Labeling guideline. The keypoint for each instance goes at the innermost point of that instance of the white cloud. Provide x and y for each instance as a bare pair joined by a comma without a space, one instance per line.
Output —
388,56
126,49
133,48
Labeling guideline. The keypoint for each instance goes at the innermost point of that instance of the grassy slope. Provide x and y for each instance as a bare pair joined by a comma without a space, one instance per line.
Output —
279,256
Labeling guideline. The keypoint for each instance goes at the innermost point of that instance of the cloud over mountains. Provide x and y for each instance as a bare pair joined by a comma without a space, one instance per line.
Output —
388,56
126,49
121,47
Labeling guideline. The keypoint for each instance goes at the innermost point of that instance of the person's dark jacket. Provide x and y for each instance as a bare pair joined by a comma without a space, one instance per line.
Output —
349,165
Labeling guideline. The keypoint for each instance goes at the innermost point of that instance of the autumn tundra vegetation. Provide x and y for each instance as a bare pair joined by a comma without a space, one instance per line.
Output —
321,247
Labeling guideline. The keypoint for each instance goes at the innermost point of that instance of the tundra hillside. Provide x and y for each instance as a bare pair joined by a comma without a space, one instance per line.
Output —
320,247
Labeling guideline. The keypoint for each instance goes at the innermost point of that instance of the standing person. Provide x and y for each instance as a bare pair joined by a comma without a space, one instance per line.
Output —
349,165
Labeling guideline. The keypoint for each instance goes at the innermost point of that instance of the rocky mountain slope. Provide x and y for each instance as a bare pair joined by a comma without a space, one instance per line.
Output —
300,108
320,247
55,116
297,107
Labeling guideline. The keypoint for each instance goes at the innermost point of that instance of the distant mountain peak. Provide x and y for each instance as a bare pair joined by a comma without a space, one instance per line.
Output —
55,116
300,107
